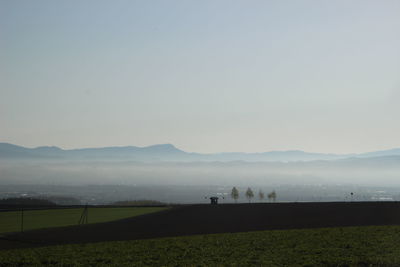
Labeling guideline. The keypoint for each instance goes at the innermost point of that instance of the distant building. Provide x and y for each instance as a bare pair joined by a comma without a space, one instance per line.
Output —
214,200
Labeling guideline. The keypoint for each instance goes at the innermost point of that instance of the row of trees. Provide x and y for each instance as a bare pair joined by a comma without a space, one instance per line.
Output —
250,195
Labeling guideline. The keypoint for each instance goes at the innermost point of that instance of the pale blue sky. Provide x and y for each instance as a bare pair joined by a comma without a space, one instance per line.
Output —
207,76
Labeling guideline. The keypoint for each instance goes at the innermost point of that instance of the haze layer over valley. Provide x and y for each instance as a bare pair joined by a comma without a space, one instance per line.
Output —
165,173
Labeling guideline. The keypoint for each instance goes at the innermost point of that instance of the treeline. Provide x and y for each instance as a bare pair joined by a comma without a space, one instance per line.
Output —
250,195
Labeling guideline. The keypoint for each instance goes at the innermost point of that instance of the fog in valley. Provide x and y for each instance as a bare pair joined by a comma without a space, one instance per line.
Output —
104,182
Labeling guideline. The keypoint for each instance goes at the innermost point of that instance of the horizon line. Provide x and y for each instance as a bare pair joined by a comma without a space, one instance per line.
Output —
207,153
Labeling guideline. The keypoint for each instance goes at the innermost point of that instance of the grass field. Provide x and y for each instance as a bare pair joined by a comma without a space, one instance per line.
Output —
10,221
347,246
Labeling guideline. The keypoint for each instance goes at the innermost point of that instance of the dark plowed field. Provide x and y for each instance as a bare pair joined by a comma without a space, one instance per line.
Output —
206,219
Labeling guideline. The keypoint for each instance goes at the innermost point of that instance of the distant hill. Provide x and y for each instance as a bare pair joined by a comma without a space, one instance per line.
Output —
25,201
381,153
139,203
168,152
150,153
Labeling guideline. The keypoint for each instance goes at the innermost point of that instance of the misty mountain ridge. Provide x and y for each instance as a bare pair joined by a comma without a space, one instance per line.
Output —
149,153
168,152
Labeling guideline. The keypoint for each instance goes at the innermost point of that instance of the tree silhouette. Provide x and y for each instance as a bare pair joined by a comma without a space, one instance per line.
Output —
261,195
249,194
235,194
272,196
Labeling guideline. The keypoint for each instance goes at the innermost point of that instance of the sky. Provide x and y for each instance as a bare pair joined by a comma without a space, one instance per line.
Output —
207,76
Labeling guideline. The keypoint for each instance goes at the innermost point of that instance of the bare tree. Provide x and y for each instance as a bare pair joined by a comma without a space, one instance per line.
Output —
261,195
272,196
249,194
235,194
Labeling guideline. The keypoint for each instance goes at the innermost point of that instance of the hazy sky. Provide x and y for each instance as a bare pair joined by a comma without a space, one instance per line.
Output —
206,76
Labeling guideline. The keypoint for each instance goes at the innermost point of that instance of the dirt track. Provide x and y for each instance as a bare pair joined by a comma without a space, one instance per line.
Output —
205,219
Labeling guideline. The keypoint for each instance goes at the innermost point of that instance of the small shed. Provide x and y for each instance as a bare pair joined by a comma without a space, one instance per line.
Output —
214,200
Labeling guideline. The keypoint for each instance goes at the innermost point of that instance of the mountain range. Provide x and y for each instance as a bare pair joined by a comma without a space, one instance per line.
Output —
168,152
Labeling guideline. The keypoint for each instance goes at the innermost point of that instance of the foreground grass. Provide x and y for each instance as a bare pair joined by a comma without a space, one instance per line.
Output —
10,221
349,246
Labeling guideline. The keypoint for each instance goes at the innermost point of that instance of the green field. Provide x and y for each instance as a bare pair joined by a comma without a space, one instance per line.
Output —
348,246
10,221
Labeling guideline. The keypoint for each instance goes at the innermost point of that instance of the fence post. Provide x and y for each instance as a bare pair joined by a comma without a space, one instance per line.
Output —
22,220
84,216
